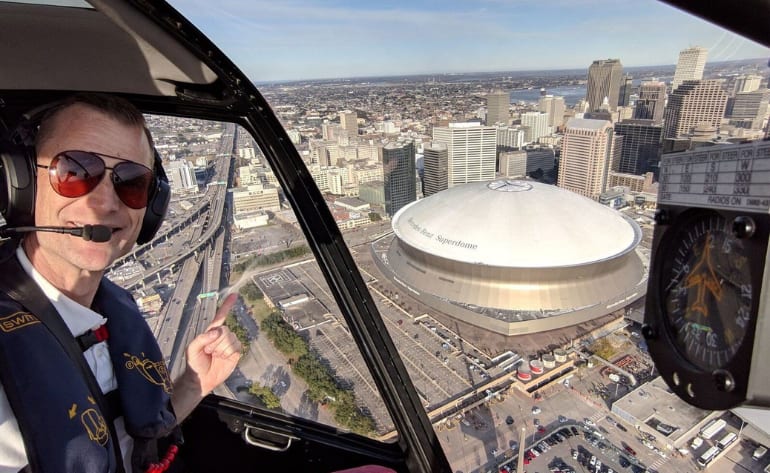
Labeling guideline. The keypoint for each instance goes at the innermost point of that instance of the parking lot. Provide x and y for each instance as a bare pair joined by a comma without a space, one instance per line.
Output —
478,438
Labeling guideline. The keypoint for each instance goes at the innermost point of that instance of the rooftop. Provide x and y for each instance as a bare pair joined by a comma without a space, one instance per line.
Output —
515,223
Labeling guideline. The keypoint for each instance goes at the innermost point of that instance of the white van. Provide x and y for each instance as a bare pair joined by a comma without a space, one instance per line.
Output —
759,452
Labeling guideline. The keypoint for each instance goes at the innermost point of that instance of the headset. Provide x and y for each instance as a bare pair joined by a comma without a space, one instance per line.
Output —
18,180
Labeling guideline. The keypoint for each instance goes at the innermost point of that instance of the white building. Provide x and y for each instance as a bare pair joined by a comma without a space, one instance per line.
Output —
511,137
554,106
471,149
537,123
690,65
255,197
181,176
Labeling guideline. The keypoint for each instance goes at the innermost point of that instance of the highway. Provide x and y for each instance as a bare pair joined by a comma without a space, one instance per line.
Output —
189,255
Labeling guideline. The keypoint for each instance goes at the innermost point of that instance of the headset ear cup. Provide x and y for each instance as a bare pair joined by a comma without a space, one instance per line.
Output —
17,184
157,205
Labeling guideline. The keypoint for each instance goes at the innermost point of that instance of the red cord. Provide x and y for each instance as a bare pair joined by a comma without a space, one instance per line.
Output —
163,465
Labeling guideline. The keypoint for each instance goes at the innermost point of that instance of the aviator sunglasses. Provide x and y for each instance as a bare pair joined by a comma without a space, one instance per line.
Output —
76,173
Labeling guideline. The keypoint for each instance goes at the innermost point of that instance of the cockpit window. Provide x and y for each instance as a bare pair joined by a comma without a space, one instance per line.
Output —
494,174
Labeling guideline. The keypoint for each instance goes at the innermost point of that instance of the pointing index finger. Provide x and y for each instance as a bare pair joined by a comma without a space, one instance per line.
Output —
223,310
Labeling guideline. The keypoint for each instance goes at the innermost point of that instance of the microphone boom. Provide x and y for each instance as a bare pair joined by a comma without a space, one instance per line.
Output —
95,233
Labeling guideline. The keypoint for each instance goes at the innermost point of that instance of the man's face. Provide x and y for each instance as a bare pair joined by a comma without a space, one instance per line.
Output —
81,127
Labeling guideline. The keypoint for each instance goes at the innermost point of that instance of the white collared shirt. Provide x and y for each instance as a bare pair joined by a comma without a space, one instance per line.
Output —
79,319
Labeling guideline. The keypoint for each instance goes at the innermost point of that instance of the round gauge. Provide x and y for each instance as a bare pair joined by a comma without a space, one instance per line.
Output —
706,290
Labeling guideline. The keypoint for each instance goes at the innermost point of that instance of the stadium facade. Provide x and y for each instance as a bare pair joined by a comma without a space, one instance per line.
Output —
514,256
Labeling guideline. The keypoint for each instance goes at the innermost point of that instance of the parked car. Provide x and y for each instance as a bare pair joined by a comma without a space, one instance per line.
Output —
628,449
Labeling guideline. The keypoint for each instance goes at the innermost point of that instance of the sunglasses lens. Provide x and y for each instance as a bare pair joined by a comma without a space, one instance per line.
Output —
132,184
74,174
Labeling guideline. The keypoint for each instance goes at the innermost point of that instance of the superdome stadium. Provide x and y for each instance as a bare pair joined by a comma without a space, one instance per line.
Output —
514,256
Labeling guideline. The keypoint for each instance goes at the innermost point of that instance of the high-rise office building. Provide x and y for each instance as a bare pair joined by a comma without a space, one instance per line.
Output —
641,147
626,88
471,149
689,66
651,102
349,122
513,163
498,103
747,83
748,109
435,176
543,159
511,137
587,150
398,172
604,76
554,107
694,102
538,125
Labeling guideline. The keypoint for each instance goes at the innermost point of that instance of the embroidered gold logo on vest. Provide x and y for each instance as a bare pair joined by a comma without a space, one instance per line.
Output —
95,426
93,423
17,320
153,371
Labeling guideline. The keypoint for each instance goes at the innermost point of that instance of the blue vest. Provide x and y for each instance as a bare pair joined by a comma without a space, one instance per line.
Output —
63,429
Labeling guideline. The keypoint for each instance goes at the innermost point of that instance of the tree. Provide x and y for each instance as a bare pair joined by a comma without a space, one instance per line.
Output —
374,217
251,292
603,349
264,394
241,333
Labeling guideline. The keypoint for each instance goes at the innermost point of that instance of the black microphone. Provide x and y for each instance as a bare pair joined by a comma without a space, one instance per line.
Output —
97,233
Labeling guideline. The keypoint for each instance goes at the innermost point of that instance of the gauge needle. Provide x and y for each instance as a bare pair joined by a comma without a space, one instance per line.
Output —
703,277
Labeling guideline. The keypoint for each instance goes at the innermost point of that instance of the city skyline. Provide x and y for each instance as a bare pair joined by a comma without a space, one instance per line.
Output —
300,40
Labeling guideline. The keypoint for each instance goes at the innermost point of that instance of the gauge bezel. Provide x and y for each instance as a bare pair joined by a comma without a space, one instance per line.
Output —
696,385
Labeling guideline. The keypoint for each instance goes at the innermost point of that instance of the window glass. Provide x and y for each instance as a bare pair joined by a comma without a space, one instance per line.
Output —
230,229
503,221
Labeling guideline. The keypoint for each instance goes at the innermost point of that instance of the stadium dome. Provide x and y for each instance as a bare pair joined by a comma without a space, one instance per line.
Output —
515,256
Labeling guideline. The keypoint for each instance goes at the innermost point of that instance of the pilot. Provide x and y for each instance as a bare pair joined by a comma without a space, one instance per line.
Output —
95,165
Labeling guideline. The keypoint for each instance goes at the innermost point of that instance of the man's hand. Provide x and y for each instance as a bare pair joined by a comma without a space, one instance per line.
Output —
211,357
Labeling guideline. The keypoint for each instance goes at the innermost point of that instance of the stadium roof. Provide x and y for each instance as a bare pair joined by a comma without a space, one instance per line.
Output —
517,224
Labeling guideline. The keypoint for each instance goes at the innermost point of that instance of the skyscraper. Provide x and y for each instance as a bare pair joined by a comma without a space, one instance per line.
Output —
651,102
398,172
626,86
747,83
471,149
511,138
695,102
537,123
435,169
690,65
554,107
513,163
641,147
604,76
748,109
587,151
349,121
498,103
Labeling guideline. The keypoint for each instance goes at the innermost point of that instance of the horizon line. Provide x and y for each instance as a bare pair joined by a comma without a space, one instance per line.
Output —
419,74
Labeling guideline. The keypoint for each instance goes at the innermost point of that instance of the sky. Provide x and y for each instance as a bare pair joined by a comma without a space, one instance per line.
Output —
283,40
